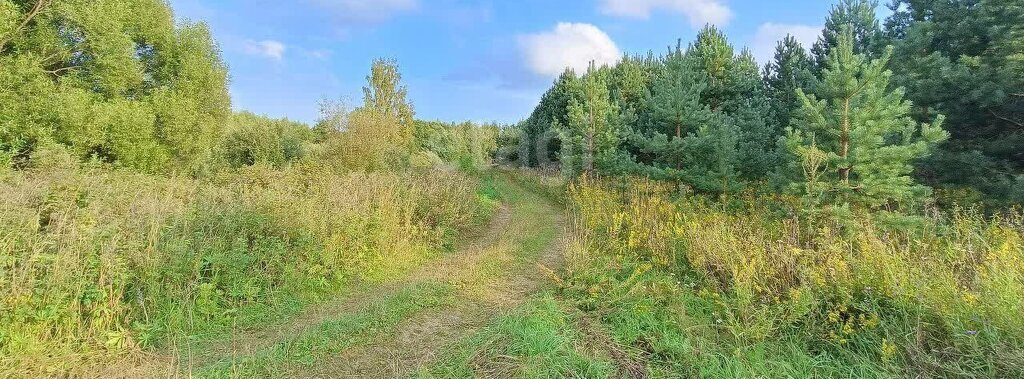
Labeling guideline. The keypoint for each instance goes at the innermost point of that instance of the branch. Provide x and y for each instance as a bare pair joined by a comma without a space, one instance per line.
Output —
1019,124
62,69
36,10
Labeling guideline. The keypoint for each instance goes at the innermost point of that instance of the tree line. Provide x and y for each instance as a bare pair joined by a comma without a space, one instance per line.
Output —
120,83
872,114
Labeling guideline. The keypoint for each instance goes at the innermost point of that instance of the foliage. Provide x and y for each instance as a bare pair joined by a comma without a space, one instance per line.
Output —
115,80
385,97
253,139
468,145
699,116
854,141
590,136
859,17
700,288
789,71
380,135
675,111
370,141
964,60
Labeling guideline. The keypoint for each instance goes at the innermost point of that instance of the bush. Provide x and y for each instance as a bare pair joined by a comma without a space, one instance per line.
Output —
467,145
253,139
369,141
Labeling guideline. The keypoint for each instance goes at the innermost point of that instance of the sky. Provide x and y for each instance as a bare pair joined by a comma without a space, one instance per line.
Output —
462,60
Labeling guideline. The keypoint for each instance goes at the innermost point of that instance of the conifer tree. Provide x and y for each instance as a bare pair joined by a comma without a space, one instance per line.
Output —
855,139
674,102
590,138
713,151
859,16
630,82
789,71
552,110
713,57
749,111
965,60
674,111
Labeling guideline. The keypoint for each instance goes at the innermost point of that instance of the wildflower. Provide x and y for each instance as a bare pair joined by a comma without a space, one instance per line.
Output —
888,350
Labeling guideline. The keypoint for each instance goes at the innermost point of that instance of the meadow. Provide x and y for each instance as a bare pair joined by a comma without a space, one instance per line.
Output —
661,283
847,209
100,263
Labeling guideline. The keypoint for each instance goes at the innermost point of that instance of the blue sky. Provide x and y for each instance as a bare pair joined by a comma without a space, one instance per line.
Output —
478,60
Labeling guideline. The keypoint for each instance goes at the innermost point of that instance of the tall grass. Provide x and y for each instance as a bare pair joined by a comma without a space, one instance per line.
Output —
936,297
98,263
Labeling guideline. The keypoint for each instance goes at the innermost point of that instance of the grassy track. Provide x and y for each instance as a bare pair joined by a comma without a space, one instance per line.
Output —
399,329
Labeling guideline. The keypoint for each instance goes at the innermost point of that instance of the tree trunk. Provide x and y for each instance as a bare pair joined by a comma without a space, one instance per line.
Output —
679,134
844,144
589,156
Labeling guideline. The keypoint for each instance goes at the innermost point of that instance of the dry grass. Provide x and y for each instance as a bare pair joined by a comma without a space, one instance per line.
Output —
97,264
939,296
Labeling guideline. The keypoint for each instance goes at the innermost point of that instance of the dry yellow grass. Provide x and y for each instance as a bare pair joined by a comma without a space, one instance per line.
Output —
952,282
96,264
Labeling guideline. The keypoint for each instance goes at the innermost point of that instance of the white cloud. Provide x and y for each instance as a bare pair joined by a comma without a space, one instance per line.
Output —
267,48
769,34
367,11
568,45
698,12
319,54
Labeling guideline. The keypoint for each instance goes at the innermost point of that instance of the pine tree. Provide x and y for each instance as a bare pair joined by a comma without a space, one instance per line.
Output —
713,57
789,71
964,60
855,139
590,139
859,16
713,151
552,110
675,107
749,111
630,82
672,111
736,95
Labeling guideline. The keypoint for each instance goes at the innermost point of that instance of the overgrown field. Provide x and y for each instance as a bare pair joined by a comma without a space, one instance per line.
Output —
672,285
98,264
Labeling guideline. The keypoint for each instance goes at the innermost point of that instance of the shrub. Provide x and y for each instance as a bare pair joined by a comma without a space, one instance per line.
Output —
253,139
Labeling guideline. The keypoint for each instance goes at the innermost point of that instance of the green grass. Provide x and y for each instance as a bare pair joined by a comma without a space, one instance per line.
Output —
335,336
537,340
665,335
515,247
680,289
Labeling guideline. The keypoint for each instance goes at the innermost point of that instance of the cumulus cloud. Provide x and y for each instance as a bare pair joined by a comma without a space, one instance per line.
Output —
769,34
367,11
267,48
697,12
572,45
